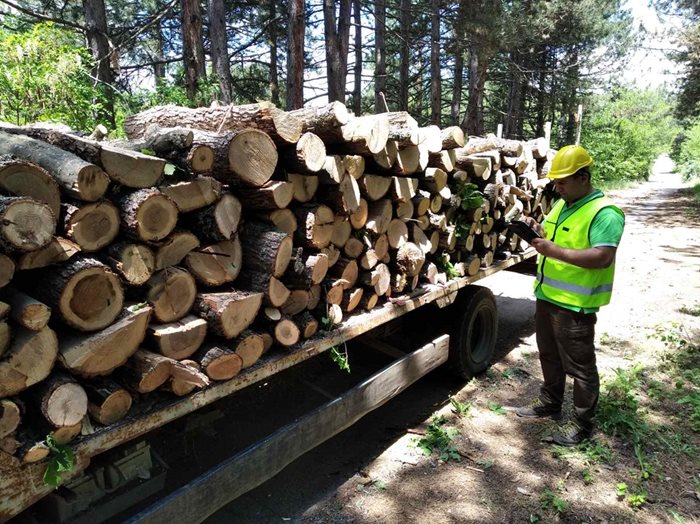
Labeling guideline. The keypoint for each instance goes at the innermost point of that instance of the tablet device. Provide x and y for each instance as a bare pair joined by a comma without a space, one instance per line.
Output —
524,231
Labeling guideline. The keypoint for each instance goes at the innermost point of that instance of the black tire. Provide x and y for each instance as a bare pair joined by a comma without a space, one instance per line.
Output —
473,335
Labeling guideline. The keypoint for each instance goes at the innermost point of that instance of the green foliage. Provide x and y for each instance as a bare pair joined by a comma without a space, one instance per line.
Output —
340,358
587,476
693,311
469,195
625,131
444,264
496,408
439,438
592,451
60,460
44,76
459,408
687,150
621,489
551,501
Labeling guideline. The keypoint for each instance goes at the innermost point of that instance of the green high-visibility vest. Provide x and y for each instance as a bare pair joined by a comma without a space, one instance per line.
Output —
566,283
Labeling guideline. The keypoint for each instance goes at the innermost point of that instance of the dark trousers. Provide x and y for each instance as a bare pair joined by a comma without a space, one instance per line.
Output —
565,343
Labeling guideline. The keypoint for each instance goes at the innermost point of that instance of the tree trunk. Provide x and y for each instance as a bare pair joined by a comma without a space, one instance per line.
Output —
404,52
219,49
192,47
435,72
336,42
96,32
272,39
295,55
455,106
357,86
380,56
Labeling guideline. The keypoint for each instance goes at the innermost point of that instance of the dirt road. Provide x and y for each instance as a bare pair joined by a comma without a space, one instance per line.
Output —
374,472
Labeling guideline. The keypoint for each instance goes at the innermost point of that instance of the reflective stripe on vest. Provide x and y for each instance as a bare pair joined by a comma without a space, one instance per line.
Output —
567,283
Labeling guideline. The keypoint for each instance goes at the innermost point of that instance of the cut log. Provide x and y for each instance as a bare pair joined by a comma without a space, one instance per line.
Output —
274,291
77,178
358,219
307,156
315,294
193,194
444,160
25,310
173,249
228,314
381,246
23,178
108,402
420,239
271,195
297,302
163,140
145,371
385,158
131,168
282,219
147,215
317,226
171,292
334,291
369,300
353,248
283,127
433,180
219,363
404,210
346,270
402,188
379,278
179,339
90,225
351,299
344,198
10,417
307,324
374,187
98,354
379,216
265,248
435,204
332,171
342,229
55,252
409,259
188,374
29,360
182,387
304,186
249,346
311,270
354,165
25,224
408,161
332,252
362,135
323,120
286,333
448,239
452,137
480,144
7,269
135,263
403,128
368,259
397,233
218,221
216,264
62,400
83,291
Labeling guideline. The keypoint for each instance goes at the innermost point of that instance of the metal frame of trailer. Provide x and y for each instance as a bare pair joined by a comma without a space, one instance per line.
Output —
21,486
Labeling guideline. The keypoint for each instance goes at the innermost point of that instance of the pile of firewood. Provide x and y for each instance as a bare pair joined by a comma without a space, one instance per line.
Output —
179,256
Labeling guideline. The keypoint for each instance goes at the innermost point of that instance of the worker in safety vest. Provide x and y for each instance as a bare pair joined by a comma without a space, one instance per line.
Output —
575,273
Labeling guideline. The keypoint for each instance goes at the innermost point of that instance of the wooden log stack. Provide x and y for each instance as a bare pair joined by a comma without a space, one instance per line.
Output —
118,280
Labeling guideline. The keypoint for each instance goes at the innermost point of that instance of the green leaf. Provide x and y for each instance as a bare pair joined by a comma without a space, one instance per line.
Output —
169,169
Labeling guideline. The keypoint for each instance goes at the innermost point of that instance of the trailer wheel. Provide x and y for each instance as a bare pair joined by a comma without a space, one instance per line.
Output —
473,336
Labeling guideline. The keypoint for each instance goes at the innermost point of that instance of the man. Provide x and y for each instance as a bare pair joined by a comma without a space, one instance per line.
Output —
575,274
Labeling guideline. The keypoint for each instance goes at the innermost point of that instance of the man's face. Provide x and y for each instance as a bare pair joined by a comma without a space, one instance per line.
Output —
572,188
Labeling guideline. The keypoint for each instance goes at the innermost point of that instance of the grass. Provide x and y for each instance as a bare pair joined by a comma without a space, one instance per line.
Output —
438,438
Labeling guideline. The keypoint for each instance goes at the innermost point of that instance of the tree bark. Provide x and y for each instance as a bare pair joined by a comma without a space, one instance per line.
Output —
96,32
219,49
192,47
404,52
108,402
272,39
228,314
435,73
380,56
357,85
295,55
265,248
336,41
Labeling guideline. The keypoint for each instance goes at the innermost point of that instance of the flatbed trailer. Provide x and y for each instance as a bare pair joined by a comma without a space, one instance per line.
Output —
21,487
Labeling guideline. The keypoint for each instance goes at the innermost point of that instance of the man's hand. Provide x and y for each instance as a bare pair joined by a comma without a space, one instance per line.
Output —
534,224
591,258
545,247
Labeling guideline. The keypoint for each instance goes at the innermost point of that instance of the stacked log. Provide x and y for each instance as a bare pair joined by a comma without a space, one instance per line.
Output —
119,281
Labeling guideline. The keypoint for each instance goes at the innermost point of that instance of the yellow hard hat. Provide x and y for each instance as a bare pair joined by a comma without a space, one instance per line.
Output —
568,160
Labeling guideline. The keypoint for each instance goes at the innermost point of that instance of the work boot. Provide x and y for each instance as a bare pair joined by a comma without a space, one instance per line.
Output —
538,409
571,434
